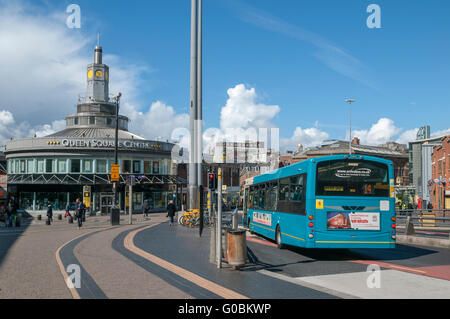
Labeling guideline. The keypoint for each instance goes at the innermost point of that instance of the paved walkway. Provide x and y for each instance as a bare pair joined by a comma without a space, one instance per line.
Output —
149,259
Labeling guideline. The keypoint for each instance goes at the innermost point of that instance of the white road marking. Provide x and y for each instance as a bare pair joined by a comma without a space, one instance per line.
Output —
300,282
394,285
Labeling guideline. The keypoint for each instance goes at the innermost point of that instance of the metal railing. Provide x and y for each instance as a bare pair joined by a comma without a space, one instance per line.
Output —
424,217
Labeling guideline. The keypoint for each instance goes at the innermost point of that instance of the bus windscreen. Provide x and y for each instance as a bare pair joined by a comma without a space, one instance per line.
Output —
352,178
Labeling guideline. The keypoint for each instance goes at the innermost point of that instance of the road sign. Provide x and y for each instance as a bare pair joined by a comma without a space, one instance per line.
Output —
224,187
131,180
115,172
87,196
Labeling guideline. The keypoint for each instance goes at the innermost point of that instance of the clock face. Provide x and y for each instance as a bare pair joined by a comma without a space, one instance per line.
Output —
90,74
98,74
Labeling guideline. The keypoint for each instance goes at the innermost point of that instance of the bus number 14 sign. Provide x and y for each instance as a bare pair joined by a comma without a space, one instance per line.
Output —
115,172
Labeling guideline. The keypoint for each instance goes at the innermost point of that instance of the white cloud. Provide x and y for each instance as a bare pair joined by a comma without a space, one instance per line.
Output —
407,136
381,132
242,111
160,120
441,133
308,137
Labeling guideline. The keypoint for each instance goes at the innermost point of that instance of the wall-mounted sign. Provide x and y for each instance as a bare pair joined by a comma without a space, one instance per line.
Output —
105,144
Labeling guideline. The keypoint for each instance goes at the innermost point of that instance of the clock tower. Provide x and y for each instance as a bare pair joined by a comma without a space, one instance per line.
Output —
97,79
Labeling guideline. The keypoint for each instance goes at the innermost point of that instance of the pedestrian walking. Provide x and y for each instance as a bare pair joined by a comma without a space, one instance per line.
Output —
145,209
79,212
171,210
67,210
9,215
49,214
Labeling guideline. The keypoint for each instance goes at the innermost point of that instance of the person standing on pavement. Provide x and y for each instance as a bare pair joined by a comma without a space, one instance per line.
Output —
171,210
50,213
9,212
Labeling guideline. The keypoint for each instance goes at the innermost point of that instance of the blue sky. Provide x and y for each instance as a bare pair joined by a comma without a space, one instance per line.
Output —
307,57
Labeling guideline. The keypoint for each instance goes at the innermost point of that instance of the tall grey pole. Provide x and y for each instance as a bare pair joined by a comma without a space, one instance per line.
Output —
116,143
193,109
219,219
199,98
350,101
350,124
130,201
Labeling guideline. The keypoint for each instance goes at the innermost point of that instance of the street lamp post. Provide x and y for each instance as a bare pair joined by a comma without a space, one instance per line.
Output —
116,143
350,101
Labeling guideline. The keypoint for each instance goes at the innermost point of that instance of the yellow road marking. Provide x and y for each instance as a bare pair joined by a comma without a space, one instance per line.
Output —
72,290
194,278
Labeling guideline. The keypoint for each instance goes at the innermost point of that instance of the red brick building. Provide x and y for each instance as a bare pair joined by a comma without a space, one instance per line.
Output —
440,170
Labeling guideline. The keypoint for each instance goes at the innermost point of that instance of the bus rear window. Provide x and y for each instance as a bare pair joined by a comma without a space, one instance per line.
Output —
352,178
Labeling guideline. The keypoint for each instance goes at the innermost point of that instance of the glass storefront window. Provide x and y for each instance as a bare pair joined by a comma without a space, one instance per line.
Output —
101,166
87,166
26,200
49,166
22,166
62,166
30,166
136,167
155,167
40,166
58,200
75,165
17,168
126,166
147,167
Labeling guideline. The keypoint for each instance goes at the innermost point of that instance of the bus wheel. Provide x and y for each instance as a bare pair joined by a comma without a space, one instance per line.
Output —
278,238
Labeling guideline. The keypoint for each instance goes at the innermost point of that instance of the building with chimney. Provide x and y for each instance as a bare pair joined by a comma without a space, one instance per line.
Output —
76,162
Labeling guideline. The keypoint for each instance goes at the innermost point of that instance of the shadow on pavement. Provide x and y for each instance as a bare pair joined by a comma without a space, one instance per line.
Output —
9,235
401,252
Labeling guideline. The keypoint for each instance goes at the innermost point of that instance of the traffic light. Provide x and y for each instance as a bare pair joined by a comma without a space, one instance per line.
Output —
212,181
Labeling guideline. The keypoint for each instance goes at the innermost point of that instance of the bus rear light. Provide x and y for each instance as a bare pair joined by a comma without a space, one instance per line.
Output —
311,217
311,236
393,226
311,224
393,237
394,219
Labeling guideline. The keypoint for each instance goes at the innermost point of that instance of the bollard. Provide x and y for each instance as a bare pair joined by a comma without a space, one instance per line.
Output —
409,230
59,217
237,248
234,220
115,216
70,219
39,217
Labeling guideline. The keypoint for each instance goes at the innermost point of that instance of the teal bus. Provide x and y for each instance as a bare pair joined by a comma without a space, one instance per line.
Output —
338,201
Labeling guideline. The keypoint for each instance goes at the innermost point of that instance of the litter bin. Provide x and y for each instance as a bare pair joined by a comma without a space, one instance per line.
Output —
115,216
237,248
